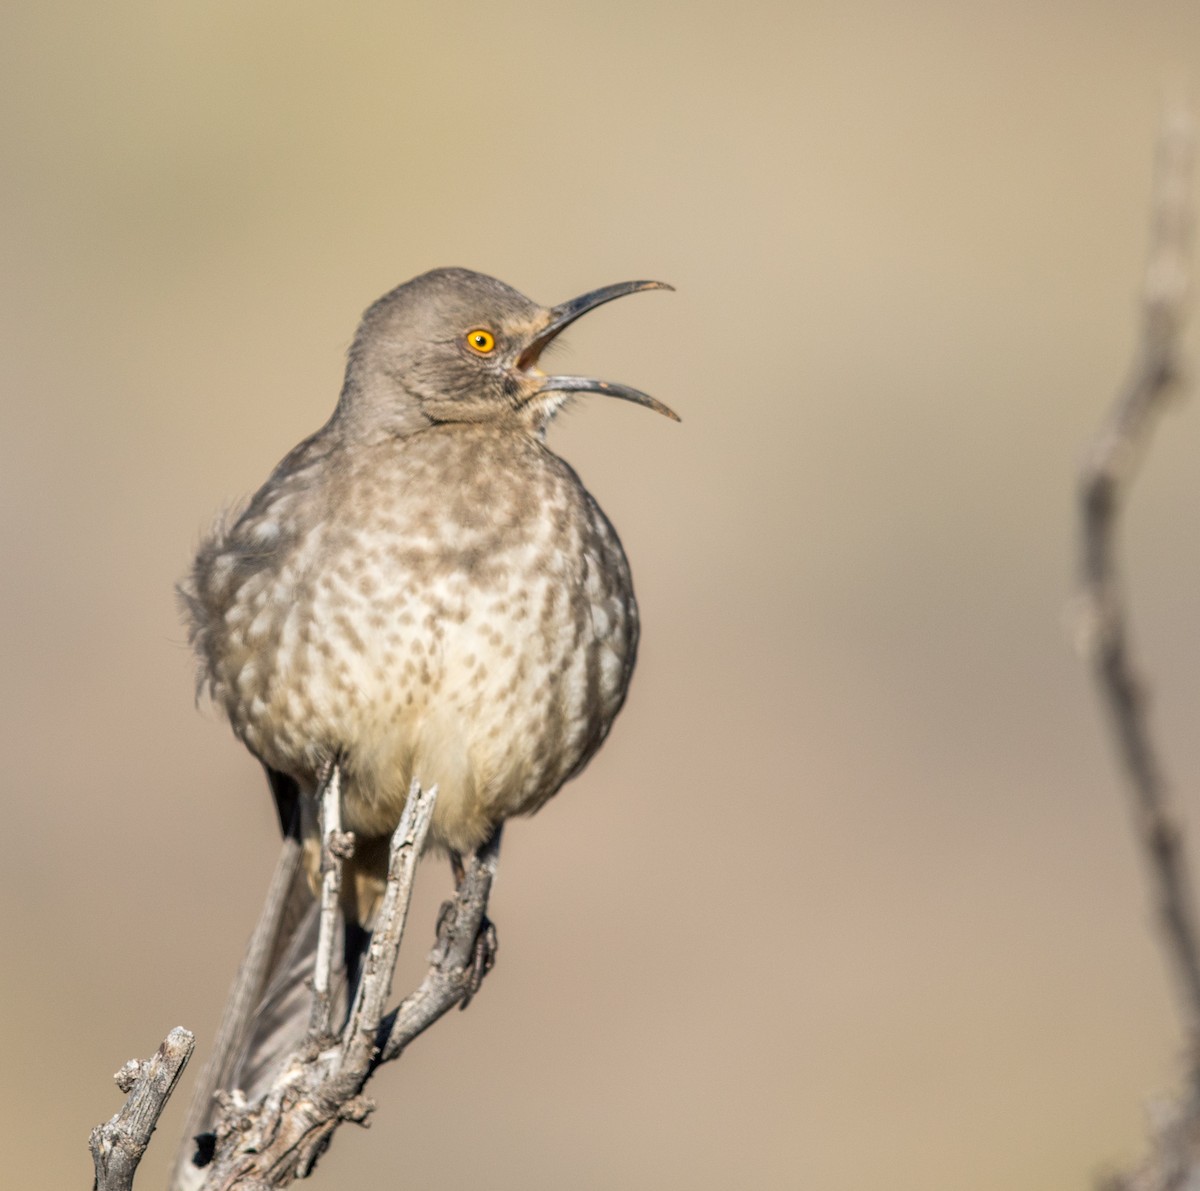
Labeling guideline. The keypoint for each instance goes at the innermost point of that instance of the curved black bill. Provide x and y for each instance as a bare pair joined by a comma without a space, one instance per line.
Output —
565,313
561,317
585,384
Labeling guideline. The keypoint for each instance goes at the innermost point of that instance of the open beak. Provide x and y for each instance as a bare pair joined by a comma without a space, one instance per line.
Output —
561,317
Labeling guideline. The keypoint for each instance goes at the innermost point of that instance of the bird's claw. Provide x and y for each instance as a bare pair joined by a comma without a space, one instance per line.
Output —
483,959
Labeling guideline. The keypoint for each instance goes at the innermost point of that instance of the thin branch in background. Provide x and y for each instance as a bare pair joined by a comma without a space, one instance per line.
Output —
118,1145
1173,1163
1105,481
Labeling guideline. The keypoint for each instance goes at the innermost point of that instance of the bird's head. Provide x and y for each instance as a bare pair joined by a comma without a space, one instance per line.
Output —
456,346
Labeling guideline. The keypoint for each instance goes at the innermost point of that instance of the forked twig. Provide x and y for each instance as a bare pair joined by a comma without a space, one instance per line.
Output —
280,1137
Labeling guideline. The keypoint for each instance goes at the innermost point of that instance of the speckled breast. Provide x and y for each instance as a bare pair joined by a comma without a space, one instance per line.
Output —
453,606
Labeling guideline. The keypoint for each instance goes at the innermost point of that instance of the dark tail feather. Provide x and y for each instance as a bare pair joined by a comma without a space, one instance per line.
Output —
281,1020
283,914
288,898
270,1005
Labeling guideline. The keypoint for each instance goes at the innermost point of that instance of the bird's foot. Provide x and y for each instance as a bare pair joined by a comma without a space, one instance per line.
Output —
482,955
483,959
466,912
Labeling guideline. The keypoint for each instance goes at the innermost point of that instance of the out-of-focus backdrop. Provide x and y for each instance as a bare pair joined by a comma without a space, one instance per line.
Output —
848,899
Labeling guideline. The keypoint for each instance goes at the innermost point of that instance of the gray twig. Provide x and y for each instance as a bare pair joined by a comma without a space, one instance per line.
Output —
335,847
454,964
280,1136
359,1040
118,1145
1105,482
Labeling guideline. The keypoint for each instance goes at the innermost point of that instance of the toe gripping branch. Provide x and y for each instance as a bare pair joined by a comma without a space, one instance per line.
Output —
281,1135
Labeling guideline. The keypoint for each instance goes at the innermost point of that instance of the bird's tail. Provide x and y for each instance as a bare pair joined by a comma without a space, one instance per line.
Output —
269,1008
286,906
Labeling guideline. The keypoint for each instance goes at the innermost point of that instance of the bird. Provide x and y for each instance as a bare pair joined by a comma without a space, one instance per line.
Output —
422,589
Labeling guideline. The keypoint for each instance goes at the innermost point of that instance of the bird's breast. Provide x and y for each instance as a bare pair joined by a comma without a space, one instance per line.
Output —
460,613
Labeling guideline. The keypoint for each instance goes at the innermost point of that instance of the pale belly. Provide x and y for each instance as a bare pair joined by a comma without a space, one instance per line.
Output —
491,664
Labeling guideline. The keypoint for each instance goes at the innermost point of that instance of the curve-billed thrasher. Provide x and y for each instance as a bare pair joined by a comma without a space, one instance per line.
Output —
422,588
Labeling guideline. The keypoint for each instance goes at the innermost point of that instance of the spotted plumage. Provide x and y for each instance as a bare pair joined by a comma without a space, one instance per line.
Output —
452,605
421,589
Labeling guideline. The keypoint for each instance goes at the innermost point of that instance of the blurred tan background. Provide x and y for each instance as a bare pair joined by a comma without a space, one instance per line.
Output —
849,899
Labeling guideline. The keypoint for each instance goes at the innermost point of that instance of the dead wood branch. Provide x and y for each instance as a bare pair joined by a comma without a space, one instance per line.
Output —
278,1137
118,1144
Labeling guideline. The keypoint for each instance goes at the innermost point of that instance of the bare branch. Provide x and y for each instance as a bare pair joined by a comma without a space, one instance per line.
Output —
280,1137
375,989
463,954
336,846
1106,477
118,1145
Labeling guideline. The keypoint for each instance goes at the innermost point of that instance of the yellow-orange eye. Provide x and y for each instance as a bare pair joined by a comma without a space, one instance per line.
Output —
481,341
